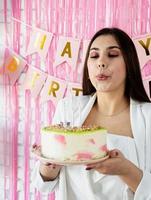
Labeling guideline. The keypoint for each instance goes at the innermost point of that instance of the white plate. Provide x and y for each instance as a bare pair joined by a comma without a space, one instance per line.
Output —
37,153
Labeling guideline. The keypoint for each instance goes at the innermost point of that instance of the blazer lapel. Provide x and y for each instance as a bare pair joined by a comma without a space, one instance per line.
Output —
87,109
138,130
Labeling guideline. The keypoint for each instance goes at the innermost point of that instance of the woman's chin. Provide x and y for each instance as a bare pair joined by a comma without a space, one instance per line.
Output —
101,88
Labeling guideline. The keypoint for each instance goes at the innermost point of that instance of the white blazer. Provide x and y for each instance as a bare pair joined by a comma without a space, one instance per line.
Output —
75,110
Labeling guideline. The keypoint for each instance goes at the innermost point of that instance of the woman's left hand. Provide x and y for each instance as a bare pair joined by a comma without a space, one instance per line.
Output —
117,164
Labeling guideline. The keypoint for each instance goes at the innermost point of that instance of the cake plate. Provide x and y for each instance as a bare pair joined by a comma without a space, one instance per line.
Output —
37,153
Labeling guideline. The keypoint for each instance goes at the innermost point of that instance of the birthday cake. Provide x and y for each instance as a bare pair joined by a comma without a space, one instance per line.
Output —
74,144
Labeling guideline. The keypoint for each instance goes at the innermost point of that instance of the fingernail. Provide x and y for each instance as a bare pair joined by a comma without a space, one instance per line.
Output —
88,168
34,145
48,164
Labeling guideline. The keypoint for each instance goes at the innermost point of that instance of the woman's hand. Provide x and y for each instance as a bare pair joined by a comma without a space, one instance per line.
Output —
117,164
48,171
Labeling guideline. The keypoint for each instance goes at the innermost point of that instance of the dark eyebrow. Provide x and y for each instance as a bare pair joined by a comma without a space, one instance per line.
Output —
110,47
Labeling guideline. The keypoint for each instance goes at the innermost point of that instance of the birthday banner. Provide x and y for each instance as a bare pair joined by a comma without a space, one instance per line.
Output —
12,66
143,47
67,51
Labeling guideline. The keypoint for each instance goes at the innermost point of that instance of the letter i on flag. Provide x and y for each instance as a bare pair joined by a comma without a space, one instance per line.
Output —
67,51
34,81
13,67
39,43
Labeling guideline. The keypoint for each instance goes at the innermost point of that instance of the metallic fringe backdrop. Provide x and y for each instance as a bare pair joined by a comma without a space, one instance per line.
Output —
23,115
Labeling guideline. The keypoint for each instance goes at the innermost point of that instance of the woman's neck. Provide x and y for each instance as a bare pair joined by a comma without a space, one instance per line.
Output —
110,104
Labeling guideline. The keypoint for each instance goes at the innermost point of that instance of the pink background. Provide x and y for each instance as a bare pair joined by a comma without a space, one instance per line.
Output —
21,115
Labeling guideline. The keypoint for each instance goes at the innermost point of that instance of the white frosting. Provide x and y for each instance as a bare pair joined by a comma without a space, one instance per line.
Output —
78,146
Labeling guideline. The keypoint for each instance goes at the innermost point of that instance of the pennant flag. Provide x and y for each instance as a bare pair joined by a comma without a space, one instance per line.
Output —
84,51
13,67
53,90
143,47
39,42
34,81
74,89
67,51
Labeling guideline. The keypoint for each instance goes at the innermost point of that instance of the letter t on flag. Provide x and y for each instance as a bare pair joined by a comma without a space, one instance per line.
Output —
67,51
39,42
34,81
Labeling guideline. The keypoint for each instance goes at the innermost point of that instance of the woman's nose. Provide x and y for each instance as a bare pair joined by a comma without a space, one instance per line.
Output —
102,61
102,66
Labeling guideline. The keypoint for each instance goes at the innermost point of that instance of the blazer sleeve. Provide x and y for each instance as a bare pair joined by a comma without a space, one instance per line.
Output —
143,191
38,183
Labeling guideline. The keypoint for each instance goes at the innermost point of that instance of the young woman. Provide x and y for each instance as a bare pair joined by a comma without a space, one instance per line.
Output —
114,98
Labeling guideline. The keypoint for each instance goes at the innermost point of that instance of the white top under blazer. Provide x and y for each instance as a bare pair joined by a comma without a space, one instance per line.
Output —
76,183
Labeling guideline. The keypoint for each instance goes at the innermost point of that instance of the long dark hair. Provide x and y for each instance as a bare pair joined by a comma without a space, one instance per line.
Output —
134,85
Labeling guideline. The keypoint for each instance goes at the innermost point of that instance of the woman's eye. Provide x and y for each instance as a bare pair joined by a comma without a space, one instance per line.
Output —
112,55
94,55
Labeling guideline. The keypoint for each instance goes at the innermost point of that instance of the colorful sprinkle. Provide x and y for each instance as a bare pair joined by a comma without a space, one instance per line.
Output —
91,141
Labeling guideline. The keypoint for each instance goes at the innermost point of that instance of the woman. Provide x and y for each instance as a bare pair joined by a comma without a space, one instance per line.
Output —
114,98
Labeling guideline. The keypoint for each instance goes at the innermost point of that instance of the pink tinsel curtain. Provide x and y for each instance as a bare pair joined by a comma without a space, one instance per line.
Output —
24,116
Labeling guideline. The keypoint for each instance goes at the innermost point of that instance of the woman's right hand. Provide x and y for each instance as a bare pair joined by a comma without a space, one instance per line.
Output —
48,171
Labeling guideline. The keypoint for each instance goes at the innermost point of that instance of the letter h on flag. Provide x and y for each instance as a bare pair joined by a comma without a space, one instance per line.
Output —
39,42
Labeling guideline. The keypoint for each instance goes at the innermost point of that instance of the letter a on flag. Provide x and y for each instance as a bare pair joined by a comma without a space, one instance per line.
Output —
67,51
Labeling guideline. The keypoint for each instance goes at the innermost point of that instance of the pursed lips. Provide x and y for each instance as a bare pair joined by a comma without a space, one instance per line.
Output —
102,77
